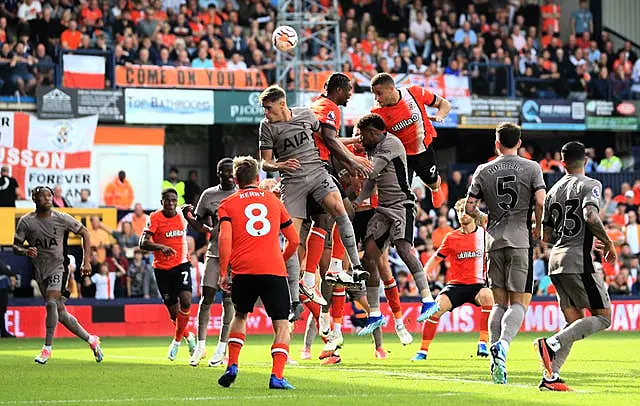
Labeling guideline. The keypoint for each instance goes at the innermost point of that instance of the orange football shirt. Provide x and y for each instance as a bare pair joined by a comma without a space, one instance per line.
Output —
169,231
328,113
467,255
256,218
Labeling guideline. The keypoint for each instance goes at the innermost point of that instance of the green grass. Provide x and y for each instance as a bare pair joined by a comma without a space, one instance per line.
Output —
603,369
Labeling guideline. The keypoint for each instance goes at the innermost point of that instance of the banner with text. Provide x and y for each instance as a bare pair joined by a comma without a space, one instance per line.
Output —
168,106
134,320
48,152
488,112
614,116
189,78
542,114
108,104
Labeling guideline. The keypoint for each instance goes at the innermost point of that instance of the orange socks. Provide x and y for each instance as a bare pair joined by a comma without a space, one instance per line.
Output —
182,319
429,332
484,324
279,354
235,343
393,297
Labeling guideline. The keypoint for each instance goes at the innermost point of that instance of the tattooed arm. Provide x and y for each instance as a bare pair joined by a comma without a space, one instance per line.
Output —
592,218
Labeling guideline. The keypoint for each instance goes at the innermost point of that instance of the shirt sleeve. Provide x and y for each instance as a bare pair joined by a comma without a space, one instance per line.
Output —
537,179
71,223
329,118
592,194
546,213
475,189
444,250
265,136
151,225
223,213
285,218
426,96
21,230
315,123
202,211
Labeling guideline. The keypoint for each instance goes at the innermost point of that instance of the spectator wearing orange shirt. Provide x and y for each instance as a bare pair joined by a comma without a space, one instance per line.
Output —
439,233
70,38
619,217
622,198
100,239
92,16
550,16
549,165
138,219
119,193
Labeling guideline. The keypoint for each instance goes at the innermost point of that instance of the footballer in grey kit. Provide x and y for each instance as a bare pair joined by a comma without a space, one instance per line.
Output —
287,146
394,217
45,232
512,188
206,220
571,221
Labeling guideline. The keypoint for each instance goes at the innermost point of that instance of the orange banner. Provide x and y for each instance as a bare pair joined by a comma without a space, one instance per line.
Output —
189,78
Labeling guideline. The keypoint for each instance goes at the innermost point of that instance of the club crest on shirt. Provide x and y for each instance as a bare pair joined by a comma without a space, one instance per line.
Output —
596,192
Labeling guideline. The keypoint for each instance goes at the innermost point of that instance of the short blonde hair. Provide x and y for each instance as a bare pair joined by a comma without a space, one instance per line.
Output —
272,94
245,170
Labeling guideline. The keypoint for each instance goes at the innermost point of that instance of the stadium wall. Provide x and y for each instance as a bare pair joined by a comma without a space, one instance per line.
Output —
138,320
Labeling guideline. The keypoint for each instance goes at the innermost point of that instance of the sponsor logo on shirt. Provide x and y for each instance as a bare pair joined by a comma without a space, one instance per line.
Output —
470,254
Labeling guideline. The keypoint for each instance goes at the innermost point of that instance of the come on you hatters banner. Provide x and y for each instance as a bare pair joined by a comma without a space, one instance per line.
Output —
48,152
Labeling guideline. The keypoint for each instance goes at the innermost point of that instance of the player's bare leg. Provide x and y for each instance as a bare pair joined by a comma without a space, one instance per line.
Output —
429,306
484,299
52,298
554,351
334,205
71,323
393,296
180,313
431,326
293,278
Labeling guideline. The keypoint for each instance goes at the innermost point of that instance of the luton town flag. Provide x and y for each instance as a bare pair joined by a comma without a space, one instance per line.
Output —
48,152
83,71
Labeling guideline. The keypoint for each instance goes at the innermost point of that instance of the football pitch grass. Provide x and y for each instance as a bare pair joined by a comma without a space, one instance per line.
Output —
603,369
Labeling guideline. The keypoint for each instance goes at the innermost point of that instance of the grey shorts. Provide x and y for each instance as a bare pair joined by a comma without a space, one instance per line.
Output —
582,291
211,272
55,280
392,223
294,191
511,269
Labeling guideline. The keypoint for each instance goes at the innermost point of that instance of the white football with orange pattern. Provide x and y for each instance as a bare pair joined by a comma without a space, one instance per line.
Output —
284,38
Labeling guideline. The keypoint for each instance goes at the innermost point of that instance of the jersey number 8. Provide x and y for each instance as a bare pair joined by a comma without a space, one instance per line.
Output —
260,218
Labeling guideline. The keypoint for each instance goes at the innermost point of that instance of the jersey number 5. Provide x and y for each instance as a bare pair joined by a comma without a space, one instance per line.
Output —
257,219
504,186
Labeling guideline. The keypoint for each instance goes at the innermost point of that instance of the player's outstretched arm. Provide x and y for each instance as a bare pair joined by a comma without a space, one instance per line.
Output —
342,154
592,218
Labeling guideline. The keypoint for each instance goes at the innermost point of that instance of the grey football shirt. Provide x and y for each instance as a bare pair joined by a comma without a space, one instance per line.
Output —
293,139
47,234
208,207
390,172
571,252
508,185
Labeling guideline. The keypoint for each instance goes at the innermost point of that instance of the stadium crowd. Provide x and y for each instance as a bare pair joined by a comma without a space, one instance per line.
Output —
481,39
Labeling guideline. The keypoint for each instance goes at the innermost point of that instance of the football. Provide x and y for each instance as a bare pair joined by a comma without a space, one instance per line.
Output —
284,38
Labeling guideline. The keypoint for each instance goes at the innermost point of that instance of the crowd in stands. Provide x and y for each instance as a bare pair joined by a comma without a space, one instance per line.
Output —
395,36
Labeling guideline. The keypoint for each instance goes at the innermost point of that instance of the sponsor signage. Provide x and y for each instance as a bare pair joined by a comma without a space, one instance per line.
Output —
189,78
108,104
488,112
168,106
542,114
608,115
137,320
237,107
